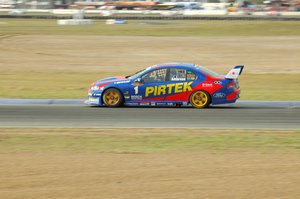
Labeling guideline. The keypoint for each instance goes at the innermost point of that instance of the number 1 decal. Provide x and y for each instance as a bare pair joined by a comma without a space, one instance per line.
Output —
136,90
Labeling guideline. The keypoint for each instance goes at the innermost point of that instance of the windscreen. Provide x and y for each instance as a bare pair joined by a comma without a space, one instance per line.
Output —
137,74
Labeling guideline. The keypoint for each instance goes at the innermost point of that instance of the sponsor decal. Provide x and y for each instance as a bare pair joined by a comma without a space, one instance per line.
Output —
165,104
190,76
177,79
136,97
168,89
126,92
161,103
184,103
97,94
144,103
93,99
219,95
122,82
153,104
127,97
207,85
217,82
132,103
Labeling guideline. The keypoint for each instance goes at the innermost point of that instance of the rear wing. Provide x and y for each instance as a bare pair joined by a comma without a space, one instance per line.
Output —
235,72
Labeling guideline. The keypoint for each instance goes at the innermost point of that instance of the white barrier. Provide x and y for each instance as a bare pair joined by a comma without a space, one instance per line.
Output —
74,22
205,12
64,11
210,11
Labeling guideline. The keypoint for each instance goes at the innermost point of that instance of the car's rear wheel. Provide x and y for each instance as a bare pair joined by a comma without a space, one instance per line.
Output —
112,97
200,99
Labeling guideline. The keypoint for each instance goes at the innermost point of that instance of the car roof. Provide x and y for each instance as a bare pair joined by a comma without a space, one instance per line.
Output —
175,64
196,67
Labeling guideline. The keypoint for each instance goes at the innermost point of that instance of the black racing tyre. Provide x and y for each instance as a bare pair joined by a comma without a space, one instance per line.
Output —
200,99
112,97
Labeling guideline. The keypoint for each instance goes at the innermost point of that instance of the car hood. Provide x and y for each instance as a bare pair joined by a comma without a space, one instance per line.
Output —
110,80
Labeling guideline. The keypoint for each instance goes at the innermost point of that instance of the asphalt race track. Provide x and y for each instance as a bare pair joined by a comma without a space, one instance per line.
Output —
247,114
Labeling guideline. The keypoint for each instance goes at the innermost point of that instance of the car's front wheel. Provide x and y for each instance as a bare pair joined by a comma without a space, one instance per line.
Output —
200,99
112,97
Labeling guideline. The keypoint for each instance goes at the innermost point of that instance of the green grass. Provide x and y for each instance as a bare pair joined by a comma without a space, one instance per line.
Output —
145,140
270,86
31,84
170,28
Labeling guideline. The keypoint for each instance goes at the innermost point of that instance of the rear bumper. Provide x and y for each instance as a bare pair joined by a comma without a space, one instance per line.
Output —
223,102
230,98
234,95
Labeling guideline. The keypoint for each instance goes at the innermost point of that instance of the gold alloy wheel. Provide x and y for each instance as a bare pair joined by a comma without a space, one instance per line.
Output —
200,99
112,97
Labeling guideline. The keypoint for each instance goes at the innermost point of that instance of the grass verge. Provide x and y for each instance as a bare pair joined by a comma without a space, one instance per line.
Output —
154,28
145,140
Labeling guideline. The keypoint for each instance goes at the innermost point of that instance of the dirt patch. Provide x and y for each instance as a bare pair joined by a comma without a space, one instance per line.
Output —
32,167
131,53
174,175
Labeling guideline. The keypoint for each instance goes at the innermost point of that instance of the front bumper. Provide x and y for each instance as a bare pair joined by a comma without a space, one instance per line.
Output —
94,99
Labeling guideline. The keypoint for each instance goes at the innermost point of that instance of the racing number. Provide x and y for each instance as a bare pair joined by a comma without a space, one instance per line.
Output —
136,90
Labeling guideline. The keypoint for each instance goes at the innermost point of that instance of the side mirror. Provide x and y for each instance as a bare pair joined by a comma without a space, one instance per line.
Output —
138,81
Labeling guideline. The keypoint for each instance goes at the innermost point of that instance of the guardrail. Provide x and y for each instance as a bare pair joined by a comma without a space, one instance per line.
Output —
178,17
220,14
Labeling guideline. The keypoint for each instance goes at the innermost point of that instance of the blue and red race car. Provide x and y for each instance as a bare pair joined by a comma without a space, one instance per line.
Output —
169,84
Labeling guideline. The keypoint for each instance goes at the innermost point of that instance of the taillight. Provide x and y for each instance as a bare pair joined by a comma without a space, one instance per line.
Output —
231,85
237,84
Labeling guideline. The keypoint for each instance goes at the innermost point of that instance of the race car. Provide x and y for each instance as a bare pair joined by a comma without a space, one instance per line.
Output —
168,84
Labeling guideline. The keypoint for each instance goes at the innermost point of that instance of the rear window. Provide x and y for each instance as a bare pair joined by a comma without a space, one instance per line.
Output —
207,71
177,74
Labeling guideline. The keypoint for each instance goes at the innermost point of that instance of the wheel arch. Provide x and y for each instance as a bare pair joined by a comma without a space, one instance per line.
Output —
123,99
208,94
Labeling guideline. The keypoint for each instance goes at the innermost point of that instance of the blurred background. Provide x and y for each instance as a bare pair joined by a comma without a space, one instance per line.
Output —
55,49
186,7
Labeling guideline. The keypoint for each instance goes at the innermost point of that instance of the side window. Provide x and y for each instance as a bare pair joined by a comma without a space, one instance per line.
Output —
177,74
190,76
155,76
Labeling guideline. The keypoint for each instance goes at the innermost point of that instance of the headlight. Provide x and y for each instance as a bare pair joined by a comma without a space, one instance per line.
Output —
96,88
